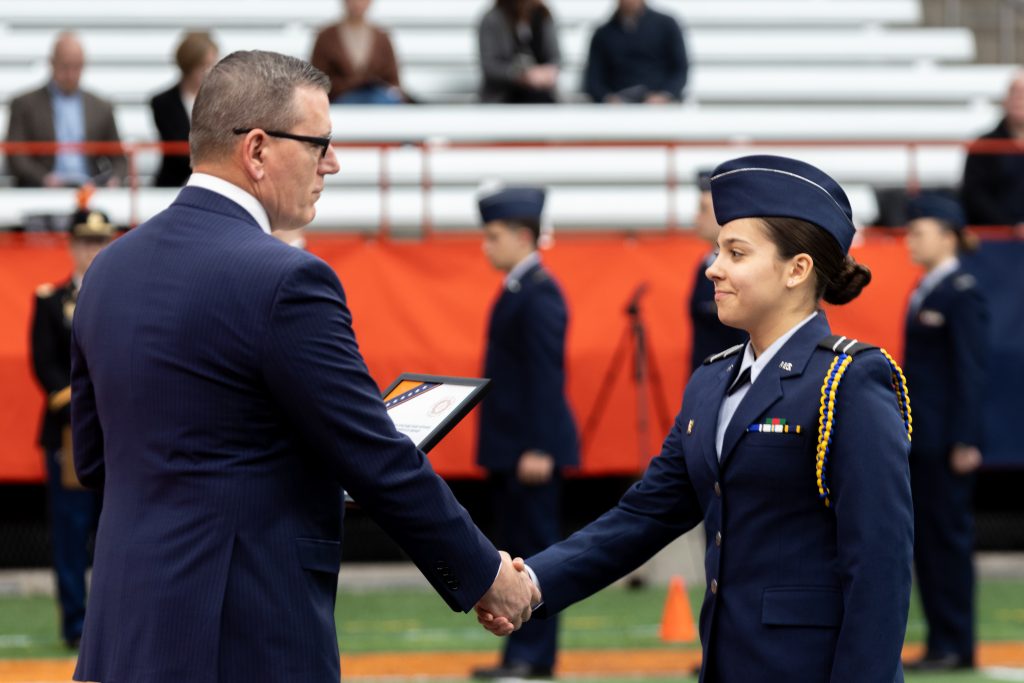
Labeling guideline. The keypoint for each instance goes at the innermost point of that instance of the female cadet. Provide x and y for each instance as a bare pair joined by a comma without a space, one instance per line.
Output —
946,341
792,449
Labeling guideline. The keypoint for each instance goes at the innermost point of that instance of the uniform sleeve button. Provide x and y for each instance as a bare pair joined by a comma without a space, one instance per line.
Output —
718,539
714,586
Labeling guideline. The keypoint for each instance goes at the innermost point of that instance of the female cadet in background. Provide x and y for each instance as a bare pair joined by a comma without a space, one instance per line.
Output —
172,109
792,449
946,344
358,58
519,53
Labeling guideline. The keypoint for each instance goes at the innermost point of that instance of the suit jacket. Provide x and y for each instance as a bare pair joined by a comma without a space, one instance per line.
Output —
526,407
946,346
710,335
174,126
220,400
797,591
993,189
331,57
31,119
51,357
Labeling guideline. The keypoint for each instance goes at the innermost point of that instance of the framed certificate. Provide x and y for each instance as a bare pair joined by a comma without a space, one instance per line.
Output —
426,407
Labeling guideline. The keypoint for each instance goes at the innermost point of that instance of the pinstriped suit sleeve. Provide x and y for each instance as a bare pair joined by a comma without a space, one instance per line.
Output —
87,438
313,368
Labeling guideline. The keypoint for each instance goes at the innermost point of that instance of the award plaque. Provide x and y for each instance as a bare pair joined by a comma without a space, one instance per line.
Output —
426,407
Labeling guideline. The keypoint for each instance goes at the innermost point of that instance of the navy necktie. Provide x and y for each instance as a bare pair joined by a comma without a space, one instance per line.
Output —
740,382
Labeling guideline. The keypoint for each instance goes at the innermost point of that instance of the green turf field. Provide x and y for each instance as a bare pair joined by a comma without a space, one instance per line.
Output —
417,620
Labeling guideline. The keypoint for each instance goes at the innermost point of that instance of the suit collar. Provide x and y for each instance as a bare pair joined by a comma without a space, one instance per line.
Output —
207,200
234,193
789,362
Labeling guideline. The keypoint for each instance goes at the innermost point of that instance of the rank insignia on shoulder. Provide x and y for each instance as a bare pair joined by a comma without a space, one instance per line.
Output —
731,351
844,345
689,427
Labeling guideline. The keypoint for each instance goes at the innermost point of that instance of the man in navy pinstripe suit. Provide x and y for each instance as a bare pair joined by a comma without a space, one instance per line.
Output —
220,400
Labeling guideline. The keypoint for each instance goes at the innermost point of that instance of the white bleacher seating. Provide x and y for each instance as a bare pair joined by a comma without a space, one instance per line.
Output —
433,13
791,71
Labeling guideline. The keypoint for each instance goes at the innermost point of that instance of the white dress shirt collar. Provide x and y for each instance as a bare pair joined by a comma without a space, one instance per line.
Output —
519,270
235,194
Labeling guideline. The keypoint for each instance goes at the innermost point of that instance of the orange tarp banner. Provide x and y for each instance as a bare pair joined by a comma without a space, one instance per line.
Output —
423,307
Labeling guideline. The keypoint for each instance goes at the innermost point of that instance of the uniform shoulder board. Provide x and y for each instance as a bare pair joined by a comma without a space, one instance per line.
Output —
731,351
46,290
964,282
840,344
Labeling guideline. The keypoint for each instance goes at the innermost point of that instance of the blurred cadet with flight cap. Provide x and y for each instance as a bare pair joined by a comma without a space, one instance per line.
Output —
527,432
946,346
73,509
709,334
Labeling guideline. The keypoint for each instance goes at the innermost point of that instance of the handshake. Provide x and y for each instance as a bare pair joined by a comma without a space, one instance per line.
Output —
510,600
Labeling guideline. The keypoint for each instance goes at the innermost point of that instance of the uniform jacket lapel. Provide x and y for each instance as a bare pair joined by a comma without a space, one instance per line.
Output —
770,384
707,414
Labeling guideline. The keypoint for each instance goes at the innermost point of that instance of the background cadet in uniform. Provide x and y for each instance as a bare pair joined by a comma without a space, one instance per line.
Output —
527,433
73,510
807,580
709,334
946,343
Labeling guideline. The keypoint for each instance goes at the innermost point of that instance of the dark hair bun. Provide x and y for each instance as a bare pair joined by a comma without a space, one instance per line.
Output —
853,278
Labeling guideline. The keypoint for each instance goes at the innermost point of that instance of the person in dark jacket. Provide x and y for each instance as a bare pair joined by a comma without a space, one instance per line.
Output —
172,109
993,187
73,509
519,55
638,56
946,346
527,432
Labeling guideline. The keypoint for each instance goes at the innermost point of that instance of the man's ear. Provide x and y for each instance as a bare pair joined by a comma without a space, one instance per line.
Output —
254,150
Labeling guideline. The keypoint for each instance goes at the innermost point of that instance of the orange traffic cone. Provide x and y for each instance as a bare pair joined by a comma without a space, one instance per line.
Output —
677,621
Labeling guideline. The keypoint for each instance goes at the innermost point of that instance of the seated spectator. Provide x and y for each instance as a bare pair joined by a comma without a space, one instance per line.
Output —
993,190
518,53
358,58
61,111
172,109
638,56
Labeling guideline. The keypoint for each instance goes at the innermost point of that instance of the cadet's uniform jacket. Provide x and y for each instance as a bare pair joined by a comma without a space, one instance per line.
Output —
796,590
51,357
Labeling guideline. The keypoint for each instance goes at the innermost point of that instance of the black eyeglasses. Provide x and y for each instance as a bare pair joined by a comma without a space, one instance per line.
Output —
323,143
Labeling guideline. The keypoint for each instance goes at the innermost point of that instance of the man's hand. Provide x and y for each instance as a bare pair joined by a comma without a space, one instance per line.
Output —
535,468
499,625
506,605
658,98
964,459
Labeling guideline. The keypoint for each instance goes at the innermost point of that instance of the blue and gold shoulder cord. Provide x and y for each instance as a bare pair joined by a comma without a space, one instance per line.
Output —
845,349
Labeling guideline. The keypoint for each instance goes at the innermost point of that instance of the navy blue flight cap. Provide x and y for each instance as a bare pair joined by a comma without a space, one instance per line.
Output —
511,203
763,186
704,179
934,205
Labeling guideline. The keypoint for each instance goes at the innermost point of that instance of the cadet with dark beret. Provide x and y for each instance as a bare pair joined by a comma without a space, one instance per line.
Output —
73,510
946,345
527,432
792,449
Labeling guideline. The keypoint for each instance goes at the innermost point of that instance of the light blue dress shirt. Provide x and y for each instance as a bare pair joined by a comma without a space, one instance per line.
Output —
69,126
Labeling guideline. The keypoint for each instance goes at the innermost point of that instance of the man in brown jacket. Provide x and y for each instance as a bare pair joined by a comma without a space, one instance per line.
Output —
61,111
